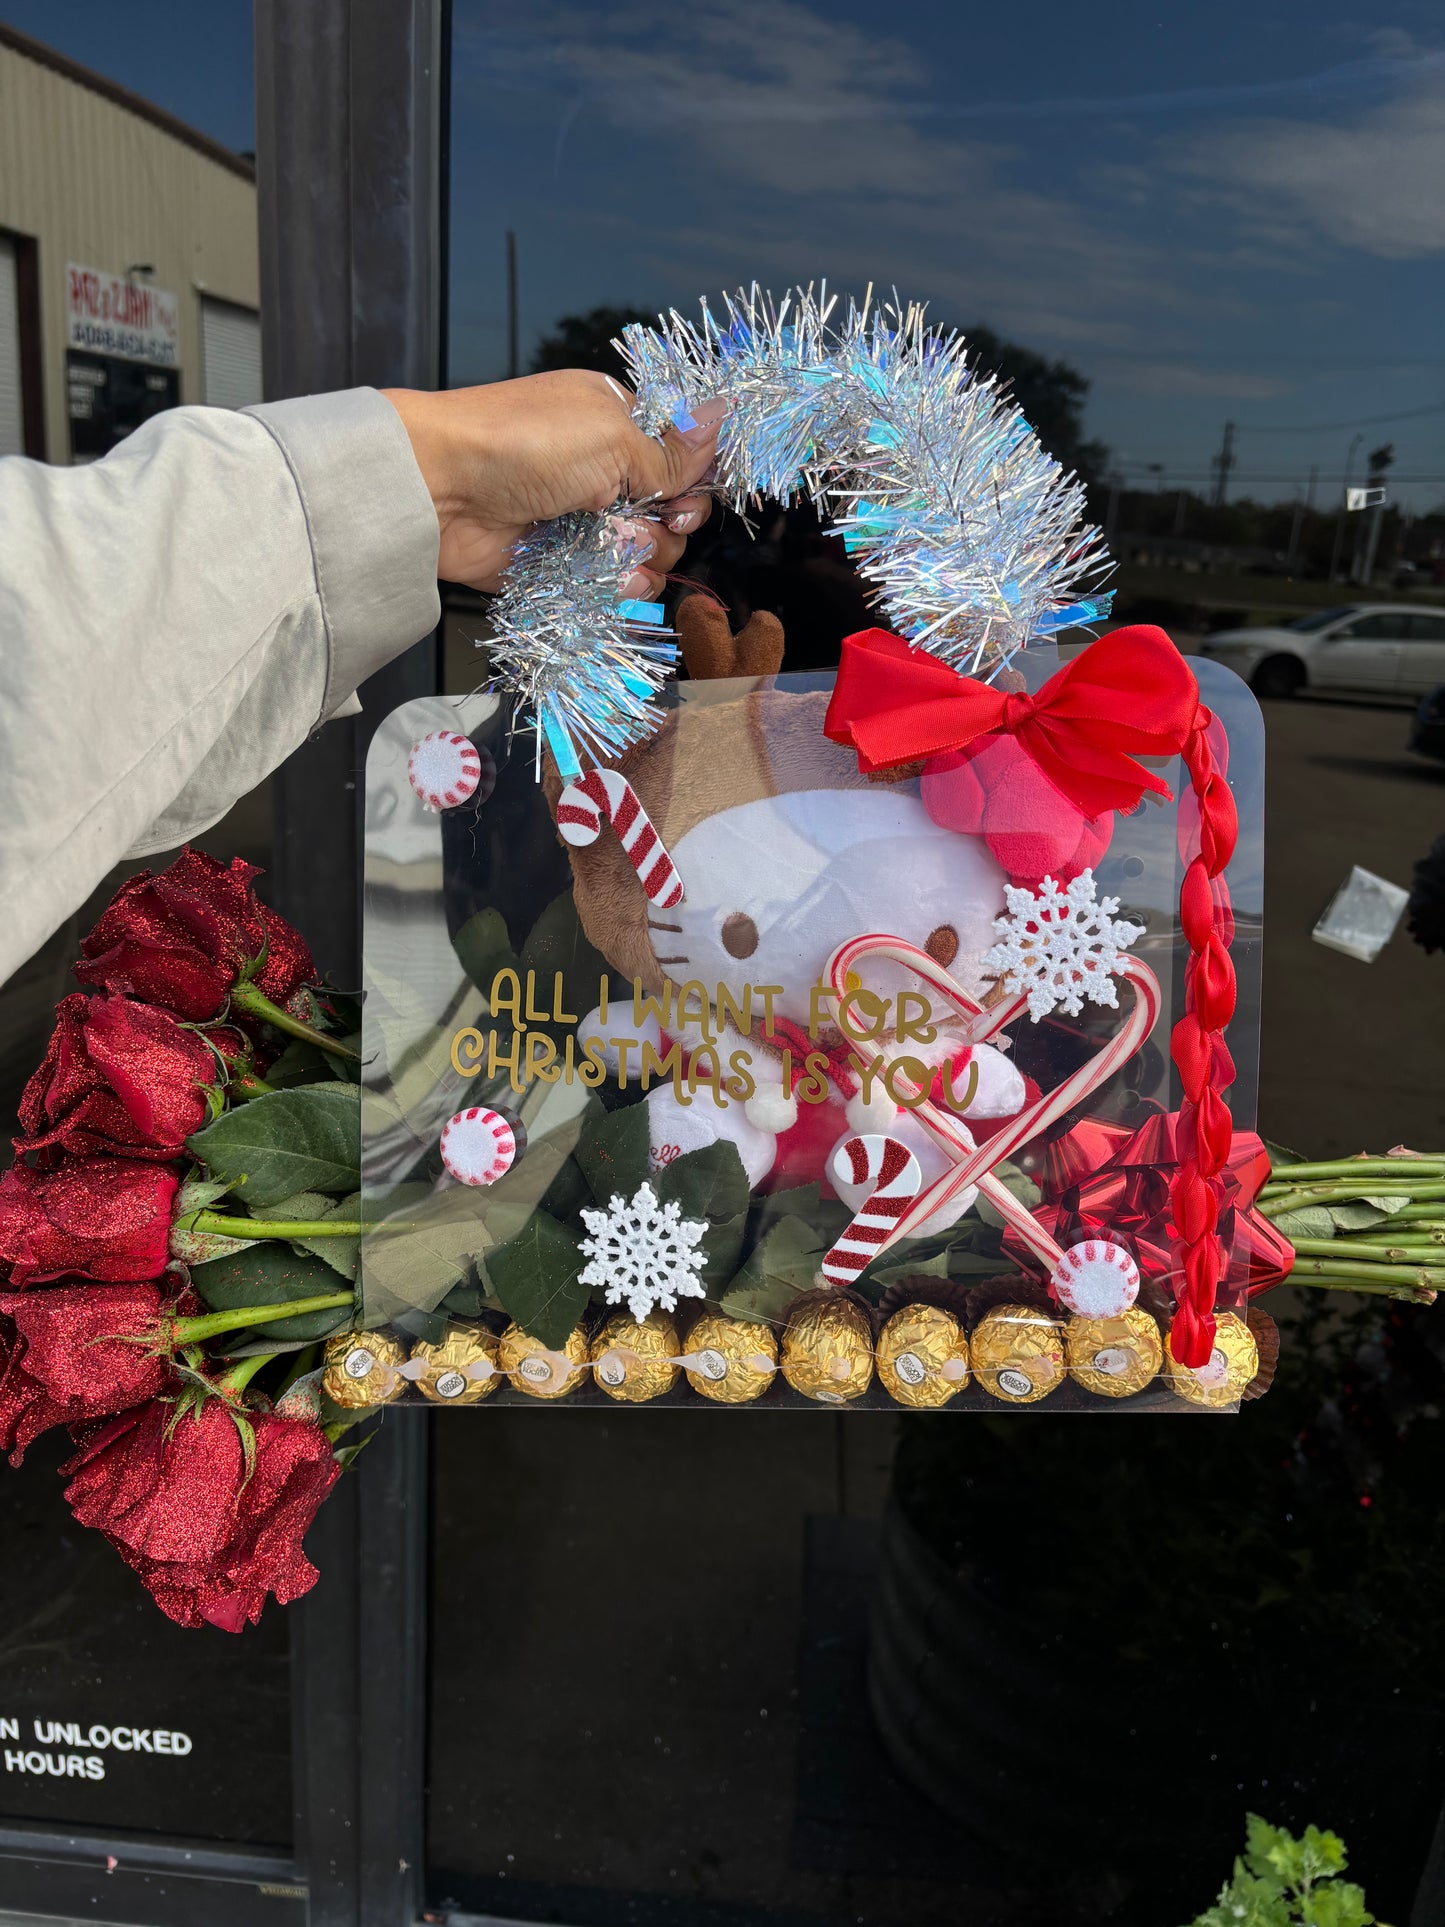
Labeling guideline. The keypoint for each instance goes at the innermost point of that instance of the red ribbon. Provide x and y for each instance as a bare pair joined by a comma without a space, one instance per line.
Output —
1131,690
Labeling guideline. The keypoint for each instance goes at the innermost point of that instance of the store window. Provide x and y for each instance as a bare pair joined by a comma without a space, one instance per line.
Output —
703,1669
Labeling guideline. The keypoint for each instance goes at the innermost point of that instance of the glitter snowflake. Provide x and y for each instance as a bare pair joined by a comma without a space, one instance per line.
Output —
1061,945
644,1252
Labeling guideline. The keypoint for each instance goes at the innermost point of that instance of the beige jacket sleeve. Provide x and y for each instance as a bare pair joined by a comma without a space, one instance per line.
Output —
179,617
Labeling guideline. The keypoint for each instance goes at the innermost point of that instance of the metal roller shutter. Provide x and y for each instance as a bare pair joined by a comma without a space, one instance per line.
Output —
231,354
12,419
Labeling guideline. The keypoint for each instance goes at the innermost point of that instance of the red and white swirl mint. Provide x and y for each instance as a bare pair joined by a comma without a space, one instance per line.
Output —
1096,1279
479,1146
446,769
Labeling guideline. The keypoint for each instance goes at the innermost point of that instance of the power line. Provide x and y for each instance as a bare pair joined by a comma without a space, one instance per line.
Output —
1334,428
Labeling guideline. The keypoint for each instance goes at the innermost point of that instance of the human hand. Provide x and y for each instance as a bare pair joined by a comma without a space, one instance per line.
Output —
499,458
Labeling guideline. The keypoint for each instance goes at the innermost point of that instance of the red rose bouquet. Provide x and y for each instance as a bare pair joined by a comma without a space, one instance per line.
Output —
174,1331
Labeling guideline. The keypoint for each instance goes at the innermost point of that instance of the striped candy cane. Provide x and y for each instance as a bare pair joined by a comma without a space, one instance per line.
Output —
897,1178
603,792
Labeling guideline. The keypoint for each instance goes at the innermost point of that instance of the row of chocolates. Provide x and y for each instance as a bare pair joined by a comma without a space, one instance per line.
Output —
923,1357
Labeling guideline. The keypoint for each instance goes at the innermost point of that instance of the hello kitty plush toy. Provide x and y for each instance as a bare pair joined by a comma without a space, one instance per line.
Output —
738,848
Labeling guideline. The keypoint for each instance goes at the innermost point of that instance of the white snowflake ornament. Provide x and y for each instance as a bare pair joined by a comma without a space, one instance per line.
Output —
1060,945
644,1253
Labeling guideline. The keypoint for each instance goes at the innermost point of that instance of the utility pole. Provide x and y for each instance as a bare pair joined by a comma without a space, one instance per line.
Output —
513,367
1340,512
1223,462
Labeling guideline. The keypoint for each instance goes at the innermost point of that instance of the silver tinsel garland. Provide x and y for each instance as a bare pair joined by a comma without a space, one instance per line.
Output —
973,537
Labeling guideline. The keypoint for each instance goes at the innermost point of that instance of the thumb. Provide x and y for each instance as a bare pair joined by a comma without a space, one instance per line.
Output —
680,460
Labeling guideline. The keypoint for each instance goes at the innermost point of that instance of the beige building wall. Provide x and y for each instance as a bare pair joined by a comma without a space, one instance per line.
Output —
97,183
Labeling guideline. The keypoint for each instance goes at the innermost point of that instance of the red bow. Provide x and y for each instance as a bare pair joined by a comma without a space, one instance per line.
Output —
1131,690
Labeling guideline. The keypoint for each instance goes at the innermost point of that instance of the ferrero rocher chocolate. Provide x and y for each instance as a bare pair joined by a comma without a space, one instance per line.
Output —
633,1360
828,1351
535,1369
923,1356
361,1369
462,1369
1231,1364
1017,1354
1116,1356
730,1360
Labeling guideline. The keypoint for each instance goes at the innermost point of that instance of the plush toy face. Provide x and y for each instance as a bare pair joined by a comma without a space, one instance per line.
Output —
772,887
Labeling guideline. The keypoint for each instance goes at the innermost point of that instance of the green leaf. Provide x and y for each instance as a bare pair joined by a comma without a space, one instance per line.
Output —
707,1183
723,1247
827,1216
1357,1216
784,1263
267,1273
287,1141
1280,1155
898,1263
1310,1221
1023,1188
339,1253
462,1301
197,1192
1339,1904
612,1152
567,1193
536,1277
557,942
483,948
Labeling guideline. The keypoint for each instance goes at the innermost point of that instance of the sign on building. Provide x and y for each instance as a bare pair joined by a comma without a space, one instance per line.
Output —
122,357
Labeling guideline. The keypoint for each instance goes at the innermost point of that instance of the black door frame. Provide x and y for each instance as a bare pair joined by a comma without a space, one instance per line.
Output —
351,102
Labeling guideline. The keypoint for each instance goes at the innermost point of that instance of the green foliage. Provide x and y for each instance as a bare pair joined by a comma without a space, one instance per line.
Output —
268,1273
783,1263
285,1142
483,948
339,1253
536,1277
612,1152
1282,1882
556,945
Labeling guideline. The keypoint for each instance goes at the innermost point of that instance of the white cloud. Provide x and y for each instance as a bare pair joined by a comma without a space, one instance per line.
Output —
1376,185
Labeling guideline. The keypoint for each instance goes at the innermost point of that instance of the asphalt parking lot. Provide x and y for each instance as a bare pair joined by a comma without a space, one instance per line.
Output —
1352,1054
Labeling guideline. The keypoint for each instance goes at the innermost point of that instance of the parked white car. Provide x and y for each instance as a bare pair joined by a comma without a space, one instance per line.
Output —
1385,648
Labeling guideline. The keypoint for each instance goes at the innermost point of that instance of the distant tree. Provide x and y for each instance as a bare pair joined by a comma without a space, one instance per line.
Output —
1050,393
585,341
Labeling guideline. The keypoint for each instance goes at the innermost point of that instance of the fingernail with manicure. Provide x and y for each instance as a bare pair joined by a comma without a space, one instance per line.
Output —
637,538
680,524
637,587
707,418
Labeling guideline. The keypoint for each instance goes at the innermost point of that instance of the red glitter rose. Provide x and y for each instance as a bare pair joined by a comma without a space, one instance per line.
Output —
208,1538
183,938
69,1355
103,1218
118,1077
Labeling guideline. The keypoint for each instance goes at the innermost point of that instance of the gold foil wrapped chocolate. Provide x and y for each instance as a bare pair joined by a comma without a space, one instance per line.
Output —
634,1360
536,1369
462,1369
730,1360
1114,1357
362,1369
923,1356
1017,1354
828,1351
1232,1363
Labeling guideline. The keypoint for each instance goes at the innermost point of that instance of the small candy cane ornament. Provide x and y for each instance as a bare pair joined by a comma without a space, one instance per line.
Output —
898,1178
1096,1279
479,1146
603,792
446,769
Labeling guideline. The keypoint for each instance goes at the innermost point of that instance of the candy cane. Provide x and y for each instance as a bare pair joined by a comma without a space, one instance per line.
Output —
897,1177
973,1165
604,792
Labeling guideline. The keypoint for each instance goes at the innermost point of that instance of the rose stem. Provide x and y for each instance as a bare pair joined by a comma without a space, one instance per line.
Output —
1412,1294
241,1374
191,1331
1293,1174
1368,1273
224,1227
246,997
1352,1248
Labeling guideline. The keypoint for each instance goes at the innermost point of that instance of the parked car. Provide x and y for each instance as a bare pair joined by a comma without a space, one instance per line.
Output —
1427,731
1387,649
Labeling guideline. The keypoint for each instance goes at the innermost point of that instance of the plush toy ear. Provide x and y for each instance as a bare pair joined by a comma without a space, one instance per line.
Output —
710,649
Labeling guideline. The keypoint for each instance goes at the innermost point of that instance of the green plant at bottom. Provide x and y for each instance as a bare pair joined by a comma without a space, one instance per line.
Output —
1279,1881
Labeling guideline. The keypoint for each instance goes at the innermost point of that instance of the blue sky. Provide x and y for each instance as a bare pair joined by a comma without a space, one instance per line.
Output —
1224,212
1232,212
